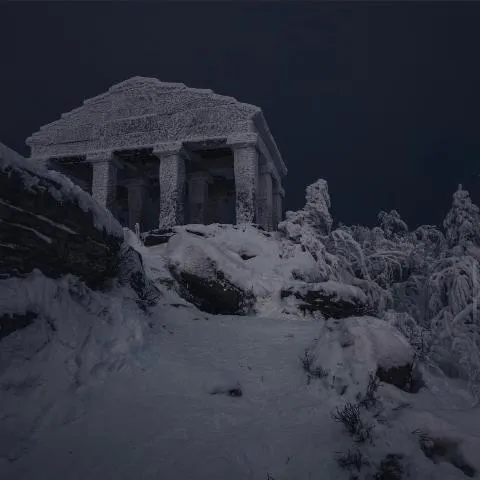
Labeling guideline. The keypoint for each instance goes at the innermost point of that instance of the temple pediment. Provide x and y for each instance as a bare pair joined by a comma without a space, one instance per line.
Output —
140,112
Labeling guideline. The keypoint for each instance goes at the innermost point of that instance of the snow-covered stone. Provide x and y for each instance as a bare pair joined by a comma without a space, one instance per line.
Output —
50,224
332,299
59,186
213,280
352,349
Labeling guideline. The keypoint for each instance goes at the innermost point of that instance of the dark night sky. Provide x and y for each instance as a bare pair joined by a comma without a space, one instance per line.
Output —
381,99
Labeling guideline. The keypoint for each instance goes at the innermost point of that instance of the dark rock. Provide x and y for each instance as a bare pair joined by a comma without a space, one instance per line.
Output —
323,297
405,377
43,228
230,391
213,295
209,277
10,323
157,237
447,450
195,232
235,392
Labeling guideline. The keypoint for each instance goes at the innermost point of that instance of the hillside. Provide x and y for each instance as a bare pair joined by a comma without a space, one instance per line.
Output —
228,352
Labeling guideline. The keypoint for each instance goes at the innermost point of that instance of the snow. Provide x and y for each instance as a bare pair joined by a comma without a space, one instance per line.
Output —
153,405
96,388
352,349
78,337
60,187
263,263
334,290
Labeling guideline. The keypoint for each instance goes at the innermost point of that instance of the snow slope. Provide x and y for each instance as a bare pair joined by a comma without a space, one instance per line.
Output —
133,395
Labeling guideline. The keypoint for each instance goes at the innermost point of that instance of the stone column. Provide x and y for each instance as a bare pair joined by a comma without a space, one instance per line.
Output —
198,196
278,195
265,198
104,180
172,185
245,165
137,192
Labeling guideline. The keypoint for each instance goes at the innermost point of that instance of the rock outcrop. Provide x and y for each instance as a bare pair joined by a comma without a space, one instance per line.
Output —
349,352
212,280
157,237
332,299
48,223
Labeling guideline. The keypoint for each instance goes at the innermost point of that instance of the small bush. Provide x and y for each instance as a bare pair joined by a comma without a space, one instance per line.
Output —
307,364
349,415
370,400
352,460
147,294
390,468
307,360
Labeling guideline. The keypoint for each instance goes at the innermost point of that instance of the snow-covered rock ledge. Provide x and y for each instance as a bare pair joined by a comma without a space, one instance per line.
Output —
51,224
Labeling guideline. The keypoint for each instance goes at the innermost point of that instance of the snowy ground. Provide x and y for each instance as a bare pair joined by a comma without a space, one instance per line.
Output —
164,412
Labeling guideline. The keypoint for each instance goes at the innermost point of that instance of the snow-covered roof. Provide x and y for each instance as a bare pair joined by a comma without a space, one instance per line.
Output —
142,112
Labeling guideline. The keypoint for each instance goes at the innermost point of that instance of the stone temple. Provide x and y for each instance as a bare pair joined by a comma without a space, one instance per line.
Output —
162,154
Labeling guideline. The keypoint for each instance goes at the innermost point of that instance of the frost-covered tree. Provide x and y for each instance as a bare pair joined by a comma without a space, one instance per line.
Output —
317,206
316,212
392,224
425,282
462,223
309,228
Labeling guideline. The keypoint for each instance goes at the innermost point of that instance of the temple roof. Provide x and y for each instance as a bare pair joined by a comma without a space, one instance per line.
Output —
142,112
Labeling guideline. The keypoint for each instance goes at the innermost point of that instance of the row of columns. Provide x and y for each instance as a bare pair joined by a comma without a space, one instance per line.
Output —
258,193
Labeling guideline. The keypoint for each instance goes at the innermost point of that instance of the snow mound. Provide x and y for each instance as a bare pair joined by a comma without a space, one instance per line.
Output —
350,350
258,264
77,337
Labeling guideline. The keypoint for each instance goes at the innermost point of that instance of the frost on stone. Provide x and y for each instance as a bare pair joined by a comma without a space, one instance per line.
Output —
172,180
37,178
246,183
144,111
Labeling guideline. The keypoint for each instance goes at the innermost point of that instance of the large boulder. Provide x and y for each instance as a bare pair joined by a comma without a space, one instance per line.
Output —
157,237
50,224
332,299
349,352
215,281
